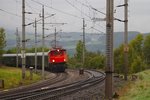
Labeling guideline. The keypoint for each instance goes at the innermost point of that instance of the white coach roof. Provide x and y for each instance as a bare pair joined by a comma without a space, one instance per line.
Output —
27,54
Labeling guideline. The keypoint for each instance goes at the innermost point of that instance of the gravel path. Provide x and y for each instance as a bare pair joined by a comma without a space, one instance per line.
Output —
73,76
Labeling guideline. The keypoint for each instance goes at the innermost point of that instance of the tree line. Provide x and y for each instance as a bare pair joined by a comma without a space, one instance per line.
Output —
92,60
138,55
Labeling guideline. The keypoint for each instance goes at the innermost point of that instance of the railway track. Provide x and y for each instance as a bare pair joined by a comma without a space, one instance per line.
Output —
54,93
40,85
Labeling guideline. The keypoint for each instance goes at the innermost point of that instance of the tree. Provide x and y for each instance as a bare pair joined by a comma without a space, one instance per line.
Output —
137,65
118,59
135,56
12,50
79,51
2,42
146,49
28,50
135,53
137,43
97,62
76,61
94,60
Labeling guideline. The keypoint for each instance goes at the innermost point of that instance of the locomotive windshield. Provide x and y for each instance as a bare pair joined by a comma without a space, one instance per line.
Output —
57,52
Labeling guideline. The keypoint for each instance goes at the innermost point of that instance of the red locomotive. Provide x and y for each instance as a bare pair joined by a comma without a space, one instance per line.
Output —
57,58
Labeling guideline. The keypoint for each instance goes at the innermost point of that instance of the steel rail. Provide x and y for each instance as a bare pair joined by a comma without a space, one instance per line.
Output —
65,89
33,88
55,92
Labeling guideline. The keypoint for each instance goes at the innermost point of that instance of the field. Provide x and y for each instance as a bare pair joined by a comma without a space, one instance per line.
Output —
12,77
138,90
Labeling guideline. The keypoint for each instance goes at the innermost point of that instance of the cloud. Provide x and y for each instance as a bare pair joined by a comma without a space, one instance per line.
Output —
138,14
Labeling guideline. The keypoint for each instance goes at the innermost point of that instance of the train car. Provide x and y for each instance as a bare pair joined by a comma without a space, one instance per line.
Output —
11,60
57,58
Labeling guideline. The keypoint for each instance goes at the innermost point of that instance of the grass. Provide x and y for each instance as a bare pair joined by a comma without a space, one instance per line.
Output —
12,77
138,90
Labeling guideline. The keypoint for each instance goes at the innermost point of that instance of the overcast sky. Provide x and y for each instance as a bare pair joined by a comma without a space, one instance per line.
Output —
72,12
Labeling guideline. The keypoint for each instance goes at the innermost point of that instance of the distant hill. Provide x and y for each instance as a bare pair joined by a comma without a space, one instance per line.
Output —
94,41
145,34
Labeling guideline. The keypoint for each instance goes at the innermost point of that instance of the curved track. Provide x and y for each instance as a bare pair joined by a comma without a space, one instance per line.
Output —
50,93
43,84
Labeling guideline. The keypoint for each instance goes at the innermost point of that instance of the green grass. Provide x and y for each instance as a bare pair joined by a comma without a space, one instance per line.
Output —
12,77
140,89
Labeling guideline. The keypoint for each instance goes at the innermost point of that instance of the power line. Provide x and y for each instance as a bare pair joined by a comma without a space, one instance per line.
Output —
56,9
77,8
92,8
97,30
29,6
45,6
59,10
99,11
89,6
33,9
40,19
13,14
10,13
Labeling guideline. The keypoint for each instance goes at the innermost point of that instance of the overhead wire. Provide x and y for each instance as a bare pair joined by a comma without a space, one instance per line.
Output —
98,30
33,9
60,10
56,9
14,14
47,7
10,13
77,8
28,5
90,10
89,6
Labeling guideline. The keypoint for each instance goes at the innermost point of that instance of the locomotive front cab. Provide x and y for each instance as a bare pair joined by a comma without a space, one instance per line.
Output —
57,60
57,56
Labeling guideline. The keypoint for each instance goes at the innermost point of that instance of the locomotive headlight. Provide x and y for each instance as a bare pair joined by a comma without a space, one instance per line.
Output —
53,60
64,59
